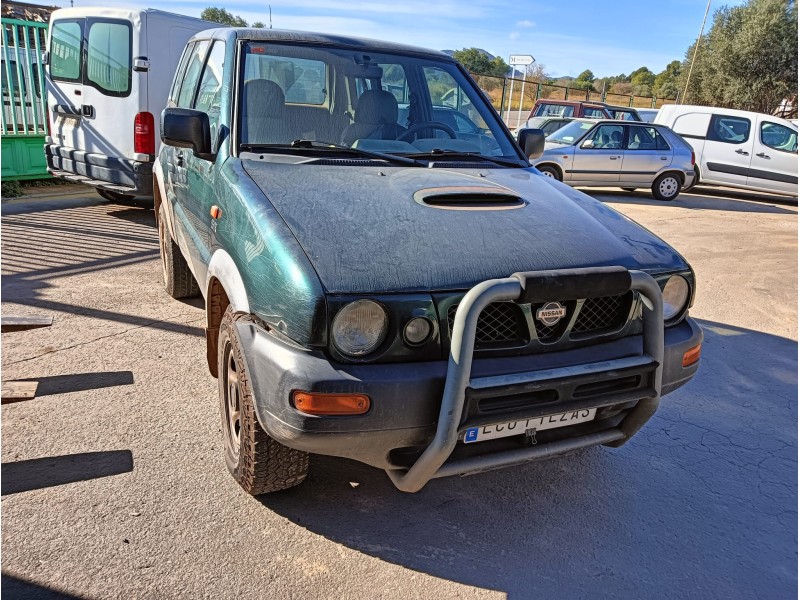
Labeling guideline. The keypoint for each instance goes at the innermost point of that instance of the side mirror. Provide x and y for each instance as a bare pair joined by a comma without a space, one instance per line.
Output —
532,142
46,57
588,144
187,128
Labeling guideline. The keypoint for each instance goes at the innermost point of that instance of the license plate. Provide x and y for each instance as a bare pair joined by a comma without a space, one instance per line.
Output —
499,430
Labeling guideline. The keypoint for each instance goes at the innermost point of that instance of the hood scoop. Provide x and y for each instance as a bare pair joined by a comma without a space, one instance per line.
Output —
469,198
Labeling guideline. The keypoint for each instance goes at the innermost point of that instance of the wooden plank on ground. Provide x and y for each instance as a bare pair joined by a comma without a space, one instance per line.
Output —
17,391
16,323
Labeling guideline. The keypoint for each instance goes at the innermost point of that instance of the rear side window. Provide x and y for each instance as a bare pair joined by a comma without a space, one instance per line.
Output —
592,113
65,51
646,138
730,130
108,57
189,83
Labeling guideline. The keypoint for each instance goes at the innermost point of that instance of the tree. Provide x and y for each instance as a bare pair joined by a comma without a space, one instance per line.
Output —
642,80
666,82
748,59
258,25
584,81
223,17
477,61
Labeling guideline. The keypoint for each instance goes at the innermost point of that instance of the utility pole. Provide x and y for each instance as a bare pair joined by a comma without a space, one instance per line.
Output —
696,46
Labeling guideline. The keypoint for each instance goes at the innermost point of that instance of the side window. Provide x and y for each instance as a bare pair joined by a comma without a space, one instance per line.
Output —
65,51
605,136
779,137
554,110
730,130
108,57
209,94
645,138
394,81
179,73
193,69
592,113
445,91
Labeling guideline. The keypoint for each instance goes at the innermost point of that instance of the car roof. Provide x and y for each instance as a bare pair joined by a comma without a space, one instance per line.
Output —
619,122
690,108
584,102
318,39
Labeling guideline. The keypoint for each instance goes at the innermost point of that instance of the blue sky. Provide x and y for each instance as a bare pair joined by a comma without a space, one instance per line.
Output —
567,36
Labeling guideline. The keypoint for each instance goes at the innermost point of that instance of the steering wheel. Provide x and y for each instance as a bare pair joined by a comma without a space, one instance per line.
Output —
412,131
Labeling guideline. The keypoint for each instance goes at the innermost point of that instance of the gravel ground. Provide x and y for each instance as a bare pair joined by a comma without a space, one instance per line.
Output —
114,483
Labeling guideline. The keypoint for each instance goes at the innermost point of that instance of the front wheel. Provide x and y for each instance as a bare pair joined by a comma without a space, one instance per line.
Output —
551,172
667,187
178,279
257,462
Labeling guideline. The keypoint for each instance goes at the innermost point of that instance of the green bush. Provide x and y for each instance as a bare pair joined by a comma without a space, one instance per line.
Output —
11,189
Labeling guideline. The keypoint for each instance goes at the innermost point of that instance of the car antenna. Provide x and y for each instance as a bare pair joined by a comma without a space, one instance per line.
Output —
270,15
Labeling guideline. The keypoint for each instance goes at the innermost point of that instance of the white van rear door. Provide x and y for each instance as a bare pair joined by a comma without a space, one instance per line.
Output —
774,163
64,82
113,94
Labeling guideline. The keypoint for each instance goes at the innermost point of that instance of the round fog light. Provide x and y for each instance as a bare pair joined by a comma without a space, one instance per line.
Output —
417,330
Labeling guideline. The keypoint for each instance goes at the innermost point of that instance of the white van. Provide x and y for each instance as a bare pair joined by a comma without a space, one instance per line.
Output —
737,148
108,75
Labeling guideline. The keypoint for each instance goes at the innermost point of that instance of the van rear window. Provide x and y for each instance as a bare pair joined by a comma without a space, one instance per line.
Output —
102,60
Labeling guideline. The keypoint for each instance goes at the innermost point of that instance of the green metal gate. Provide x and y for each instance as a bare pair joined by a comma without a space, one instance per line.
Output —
24,114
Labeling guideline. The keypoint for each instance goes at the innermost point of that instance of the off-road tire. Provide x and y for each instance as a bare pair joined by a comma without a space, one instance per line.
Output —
114,196
178,279
549,171
259,464
667,187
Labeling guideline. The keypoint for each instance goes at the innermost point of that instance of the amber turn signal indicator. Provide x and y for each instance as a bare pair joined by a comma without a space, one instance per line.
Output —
691,356
314,403
216,212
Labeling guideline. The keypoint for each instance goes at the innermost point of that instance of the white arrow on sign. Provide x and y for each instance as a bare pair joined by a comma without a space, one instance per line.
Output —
520,60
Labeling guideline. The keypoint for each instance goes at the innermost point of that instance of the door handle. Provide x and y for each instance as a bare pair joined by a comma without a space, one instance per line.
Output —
87,110
613,157
663,158
762,155
179,159
742,152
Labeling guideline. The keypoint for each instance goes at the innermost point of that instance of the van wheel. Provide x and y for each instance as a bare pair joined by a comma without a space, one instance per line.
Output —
114,196
257,462
178,279
667,187
551,172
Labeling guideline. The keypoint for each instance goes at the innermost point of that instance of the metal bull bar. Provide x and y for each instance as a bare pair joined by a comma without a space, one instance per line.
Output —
523,288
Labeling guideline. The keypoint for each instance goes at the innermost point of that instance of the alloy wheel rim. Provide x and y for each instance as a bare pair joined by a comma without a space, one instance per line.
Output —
232,403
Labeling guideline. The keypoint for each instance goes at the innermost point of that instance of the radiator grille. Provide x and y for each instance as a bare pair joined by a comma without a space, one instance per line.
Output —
603,314
499,323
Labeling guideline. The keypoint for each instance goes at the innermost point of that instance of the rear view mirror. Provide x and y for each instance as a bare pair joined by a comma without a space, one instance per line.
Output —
532,142
187,128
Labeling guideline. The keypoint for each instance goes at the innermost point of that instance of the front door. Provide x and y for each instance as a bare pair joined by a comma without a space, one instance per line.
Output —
598,157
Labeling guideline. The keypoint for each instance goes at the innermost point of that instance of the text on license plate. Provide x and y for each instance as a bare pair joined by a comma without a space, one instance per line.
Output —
490,432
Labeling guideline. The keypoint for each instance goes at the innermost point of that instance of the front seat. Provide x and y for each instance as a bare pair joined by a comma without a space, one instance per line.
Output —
265,113
616,140
375,118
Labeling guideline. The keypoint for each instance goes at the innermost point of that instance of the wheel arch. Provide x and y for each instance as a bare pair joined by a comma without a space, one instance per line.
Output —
555,165
224,287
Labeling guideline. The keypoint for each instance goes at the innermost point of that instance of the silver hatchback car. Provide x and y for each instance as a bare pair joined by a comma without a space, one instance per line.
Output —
606,153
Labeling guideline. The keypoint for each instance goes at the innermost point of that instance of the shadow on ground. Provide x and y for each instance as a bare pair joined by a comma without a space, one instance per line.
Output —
702,503
37,473
22,589
703,199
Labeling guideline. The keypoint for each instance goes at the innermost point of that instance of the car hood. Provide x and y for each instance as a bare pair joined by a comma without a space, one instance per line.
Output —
364,232
554,148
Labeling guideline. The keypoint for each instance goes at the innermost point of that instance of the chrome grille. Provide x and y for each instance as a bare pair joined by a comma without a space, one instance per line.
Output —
603,314
499,323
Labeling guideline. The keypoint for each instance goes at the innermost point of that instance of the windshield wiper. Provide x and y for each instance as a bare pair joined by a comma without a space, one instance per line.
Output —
327,146
439,153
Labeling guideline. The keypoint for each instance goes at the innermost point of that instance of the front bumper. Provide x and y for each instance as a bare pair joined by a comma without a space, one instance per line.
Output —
119,175
417,407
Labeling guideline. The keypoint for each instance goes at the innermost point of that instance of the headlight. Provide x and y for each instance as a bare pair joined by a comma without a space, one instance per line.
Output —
359,328
675,294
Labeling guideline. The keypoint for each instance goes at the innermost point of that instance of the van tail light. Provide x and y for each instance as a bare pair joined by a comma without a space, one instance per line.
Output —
692,157
144,134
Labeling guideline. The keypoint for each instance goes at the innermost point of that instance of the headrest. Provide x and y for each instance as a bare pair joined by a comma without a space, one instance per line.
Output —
376,106
264,95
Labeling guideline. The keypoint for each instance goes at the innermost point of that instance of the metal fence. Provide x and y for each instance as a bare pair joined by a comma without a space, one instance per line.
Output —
24,113
514,98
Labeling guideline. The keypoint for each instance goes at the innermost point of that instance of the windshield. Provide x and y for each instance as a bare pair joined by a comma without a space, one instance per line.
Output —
571,133
380,103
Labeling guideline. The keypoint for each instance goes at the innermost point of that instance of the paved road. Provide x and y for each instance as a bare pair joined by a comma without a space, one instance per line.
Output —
114,485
